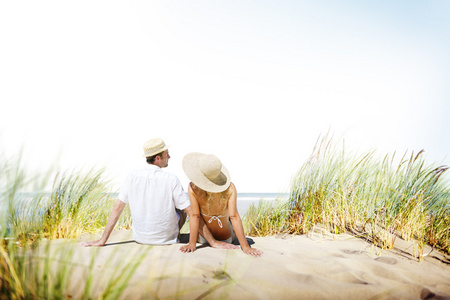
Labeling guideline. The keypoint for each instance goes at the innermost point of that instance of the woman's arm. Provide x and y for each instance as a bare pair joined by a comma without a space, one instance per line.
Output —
194,217
237,224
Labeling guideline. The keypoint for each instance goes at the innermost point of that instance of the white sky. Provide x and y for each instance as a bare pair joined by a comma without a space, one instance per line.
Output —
253,82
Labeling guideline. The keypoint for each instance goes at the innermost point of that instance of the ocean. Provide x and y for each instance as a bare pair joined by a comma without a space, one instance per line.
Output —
244,200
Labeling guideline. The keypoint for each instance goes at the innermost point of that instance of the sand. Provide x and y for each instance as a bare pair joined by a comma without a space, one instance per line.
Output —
313,266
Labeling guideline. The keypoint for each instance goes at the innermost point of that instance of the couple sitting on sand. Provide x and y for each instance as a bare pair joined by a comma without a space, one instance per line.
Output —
159,205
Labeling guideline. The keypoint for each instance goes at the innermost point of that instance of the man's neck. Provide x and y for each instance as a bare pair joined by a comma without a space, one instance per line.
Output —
155,165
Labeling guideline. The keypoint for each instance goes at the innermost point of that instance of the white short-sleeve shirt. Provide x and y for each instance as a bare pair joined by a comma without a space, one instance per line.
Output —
153,196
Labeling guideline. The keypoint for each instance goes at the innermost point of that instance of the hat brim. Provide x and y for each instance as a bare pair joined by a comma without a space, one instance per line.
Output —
191,166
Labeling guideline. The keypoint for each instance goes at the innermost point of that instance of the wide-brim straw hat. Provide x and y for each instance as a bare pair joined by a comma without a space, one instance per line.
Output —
207,172
154,146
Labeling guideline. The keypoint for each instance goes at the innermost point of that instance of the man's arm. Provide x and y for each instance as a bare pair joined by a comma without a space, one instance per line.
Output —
113,218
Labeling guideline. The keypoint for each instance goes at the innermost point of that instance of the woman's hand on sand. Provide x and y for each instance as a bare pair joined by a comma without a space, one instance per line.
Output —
252,251
187,248
98,243
224,245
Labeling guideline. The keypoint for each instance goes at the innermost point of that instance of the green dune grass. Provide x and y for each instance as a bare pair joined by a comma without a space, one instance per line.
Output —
78,202
378,199
375,198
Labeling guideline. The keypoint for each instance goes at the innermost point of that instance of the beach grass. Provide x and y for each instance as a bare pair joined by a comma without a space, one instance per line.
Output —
52,271
266,218
377,199
78,202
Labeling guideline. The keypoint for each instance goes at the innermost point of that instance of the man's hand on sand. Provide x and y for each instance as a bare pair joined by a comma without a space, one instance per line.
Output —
93,244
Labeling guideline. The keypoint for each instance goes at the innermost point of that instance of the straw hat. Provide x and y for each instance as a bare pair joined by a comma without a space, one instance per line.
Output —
154,146
207,172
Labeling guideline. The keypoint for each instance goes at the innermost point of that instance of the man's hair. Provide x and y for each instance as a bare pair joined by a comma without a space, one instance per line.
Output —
151,159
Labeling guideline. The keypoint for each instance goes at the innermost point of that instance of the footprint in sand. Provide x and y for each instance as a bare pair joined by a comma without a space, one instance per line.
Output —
427,294
387,260
347,251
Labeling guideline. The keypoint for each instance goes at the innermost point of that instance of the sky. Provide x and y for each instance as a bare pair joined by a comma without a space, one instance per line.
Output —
85,83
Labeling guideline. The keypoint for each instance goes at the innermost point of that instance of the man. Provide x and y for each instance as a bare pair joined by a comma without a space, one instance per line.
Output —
158,203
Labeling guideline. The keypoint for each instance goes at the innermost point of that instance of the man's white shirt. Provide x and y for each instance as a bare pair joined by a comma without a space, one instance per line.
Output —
153,196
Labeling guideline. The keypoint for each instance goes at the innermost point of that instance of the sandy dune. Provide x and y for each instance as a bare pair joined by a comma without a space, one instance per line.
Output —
314,266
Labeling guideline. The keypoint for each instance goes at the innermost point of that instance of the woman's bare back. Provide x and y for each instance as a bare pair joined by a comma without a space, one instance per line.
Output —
214,211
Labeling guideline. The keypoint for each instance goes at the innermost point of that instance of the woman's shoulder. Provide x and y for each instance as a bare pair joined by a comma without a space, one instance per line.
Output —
196,191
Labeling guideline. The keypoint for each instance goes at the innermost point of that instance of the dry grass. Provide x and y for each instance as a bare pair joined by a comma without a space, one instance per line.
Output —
78,202
377,199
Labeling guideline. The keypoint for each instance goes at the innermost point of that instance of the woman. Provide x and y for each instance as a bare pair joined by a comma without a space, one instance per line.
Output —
213,198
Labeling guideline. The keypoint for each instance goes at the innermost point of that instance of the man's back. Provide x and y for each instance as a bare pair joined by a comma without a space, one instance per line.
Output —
153,196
